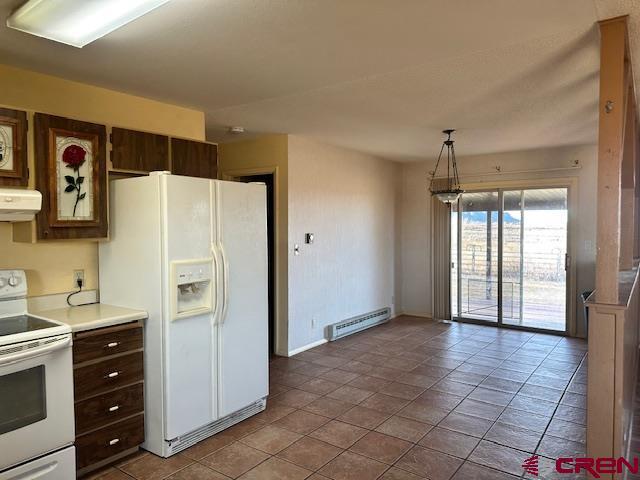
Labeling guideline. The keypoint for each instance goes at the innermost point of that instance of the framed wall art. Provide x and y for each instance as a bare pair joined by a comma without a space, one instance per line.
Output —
13,148
71,175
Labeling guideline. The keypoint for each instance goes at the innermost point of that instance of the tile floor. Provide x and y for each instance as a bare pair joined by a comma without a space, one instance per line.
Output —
409,400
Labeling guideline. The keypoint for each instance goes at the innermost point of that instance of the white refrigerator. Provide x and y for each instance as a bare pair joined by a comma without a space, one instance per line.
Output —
192,252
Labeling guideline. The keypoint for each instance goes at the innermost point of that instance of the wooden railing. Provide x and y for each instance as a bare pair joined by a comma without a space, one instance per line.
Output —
613,307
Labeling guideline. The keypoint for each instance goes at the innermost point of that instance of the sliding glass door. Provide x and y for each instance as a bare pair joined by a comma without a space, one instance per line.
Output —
509,254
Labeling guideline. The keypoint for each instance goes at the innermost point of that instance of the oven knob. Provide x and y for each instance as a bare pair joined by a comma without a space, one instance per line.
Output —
13,281
3,282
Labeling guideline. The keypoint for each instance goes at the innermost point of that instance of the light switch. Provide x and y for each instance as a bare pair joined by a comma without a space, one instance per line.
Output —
308,238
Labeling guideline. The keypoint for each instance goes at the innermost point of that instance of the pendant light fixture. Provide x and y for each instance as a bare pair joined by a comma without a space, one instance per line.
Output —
450,191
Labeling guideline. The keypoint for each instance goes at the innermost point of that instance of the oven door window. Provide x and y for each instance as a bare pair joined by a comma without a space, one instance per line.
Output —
23,398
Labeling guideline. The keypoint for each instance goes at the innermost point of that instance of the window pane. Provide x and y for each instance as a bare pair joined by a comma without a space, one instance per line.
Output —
479,256
539,262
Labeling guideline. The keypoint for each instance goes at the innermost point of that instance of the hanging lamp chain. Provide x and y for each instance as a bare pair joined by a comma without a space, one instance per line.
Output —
456,179
436,169
453,179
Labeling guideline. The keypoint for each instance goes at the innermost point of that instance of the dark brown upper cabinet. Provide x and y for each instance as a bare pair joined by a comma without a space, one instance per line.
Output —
139,151
13,148
194,159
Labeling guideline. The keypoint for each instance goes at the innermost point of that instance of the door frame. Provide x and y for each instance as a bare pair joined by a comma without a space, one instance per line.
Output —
281,341
571,184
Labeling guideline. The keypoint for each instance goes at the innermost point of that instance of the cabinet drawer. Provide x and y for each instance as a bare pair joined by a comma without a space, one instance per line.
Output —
109,407
108,341
107,375
106,442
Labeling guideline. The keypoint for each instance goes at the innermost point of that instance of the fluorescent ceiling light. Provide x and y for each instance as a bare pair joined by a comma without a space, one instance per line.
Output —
78,22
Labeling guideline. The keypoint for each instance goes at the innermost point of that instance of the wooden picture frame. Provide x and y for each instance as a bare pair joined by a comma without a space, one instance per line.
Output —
71,174
14,171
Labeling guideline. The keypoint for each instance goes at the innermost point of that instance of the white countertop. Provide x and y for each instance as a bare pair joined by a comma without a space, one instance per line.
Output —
89,317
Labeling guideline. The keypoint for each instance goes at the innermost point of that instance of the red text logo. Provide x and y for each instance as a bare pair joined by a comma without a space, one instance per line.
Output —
596,466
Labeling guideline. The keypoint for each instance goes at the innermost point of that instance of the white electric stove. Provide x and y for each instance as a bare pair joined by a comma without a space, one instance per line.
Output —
36,389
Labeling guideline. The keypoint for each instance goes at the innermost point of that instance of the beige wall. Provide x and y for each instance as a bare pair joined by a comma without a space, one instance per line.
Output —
267,154
415,248
347,200
50,265
26,90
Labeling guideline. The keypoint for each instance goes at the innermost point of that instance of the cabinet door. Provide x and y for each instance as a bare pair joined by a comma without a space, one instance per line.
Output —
13,148
139,151
194,159
71,174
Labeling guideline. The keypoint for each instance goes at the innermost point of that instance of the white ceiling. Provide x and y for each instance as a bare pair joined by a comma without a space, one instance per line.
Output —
378,76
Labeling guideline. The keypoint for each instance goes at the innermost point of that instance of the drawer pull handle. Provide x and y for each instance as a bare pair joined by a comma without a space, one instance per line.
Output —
114,441
112,375
112,344
115,408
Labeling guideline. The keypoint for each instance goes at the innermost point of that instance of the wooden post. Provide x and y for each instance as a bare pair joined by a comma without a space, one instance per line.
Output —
613,38
628,182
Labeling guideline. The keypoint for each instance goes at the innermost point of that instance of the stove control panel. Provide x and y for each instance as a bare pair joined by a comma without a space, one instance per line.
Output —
13,283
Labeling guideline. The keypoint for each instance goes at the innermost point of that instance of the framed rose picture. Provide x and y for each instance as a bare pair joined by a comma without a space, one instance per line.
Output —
13,148
71,175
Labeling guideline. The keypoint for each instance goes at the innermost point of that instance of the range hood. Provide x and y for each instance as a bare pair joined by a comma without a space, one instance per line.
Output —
19,205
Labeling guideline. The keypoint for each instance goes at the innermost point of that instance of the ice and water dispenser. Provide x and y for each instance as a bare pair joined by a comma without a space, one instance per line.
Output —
191,287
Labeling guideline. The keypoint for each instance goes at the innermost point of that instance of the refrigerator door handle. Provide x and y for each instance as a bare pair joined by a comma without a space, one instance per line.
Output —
225,285
216,265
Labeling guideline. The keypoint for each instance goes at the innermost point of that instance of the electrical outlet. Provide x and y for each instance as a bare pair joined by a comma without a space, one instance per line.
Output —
313,322
78,275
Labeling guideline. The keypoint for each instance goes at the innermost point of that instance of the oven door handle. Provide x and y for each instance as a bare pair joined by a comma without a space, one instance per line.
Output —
39,472
29,353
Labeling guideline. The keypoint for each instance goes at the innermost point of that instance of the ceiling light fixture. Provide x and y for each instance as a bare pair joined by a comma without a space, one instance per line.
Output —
78,22
450,191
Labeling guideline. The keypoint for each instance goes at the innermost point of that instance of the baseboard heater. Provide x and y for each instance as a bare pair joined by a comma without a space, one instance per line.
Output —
357,324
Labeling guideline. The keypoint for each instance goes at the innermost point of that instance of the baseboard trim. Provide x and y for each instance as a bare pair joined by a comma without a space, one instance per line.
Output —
307,347
414,314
